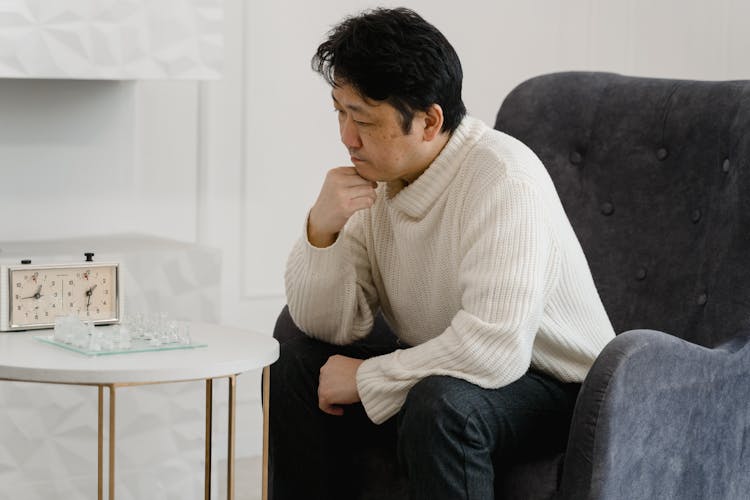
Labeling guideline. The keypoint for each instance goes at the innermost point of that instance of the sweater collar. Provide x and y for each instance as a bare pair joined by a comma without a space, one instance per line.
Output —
416,198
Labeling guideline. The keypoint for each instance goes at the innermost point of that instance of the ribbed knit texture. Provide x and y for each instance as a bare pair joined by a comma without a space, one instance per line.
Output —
474,264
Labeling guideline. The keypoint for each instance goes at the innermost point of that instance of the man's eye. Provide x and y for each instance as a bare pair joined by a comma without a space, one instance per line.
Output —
341,113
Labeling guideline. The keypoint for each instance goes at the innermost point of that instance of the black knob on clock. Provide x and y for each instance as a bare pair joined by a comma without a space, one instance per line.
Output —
89,256
26,261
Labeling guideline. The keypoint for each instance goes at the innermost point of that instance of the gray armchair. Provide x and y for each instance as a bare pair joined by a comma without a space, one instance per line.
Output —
655,177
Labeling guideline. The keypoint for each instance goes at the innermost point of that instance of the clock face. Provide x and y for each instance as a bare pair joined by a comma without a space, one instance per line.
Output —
38,295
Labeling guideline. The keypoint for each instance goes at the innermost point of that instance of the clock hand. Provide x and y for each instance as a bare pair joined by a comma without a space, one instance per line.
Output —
37,295
89,293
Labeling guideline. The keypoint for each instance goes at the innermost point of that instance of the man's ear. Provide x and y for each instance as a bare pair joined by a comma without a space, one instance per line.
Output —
433,122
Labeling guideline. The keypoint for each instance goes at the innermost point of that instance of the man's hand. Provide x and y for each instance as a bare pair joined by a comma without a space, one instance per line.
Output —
343,193
338,384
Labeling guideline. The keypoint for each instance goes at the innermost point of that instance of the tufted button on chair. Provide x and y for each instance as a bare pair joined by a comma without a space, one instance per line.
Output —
725,165
608,208
641,274
576,158
664,412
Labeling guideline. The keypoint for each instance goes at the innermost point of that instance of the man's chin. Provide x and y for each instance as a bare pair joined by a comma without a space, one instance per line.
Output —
362,172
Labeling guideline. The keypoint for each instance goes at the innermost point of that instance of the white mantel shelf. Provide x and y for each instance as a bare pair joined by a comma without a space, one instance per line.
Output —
111,39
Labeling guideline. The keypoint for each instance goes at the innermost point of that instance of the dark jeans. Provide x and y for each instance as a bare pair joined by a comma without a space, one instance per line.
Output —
444,441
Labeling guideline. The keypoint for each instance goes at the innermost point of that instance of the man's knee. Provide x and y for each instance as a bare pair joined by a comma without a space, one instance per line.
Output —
440,410
427,397
440,396
433,411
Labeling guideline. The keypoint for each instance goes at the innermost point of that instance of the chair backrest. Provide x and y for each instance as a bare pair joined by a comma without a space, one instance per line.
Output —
655,177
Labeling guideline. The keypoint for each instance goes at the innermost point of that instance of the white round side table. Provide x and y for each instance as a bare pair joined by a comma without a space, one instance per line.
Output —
228,353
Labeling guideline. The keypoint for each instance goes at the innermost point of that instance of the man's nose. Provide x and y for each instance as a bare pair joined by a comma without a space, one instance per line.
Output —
350,134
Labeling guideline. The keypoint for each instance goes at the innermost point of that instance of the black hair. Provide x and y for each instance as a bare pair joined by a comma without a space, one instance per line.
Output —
394,55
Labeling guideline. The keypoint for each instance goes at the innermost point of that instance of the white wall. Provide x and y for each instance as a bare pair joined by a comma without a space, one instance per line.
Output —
236,163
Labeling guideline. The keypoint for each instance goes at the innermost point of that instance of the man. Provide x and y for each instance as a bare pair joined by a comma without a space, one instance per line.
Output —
455,233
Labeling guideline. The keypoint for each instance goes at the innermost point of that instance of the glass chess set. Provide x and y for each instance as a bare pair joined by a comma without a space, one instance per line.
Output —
139,333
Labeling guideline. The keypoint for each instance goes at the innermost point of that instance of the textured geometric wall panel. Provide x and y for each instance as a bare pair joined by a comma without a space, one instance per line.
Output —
111,39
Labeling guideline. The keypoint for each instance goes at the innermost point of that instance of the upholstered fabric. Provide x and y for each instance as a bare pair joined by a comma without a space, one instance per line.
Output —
662,418
654,175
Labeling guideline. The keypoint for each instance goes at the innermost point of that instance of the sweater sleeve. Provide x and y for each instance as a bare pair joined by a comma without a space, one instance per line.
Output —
329,290
507,266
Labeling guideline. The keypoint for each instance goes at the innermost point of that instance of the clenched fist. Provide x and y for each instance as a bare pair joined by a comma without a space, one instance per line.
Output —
343,193
337,384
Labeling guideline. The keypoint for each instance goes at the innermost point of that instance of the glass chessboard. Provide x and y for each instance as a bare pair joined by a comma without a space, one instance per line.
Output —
139,334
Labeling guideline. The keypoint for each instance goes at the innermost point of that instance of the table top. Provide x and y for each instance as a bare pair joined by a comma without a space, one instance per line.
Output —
229,351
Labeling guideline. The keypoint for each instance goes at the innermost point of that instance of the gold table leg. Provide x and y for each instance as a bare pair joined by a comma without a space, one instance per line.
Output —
230,444
111,442
100,455
266,398
100,451
209,414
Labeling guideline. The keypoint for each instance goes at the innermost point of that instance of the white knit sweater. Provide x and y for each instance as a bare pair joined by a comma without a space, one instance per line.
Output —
474,264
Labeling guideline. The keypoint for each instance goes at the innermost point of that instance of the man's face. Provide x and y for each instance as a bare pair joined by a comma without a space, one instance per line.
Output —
374,137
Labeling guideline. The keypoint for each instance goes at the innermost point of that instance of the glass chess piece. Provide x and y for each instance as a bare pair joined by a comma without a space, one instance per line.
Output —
137,332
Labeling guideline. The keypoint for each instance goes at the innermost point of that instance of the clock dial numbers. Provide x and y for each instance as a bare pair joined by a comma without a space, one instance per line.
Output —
89,292
33,297
38,295
92,293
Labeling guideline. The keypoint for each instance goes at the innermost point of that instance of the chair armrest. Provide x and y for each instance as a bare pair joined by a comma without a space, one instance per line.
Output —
659,417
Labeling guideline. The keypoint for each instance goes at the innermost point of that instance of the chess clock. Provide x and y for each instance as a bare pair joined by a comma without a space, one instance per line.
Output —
32,296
